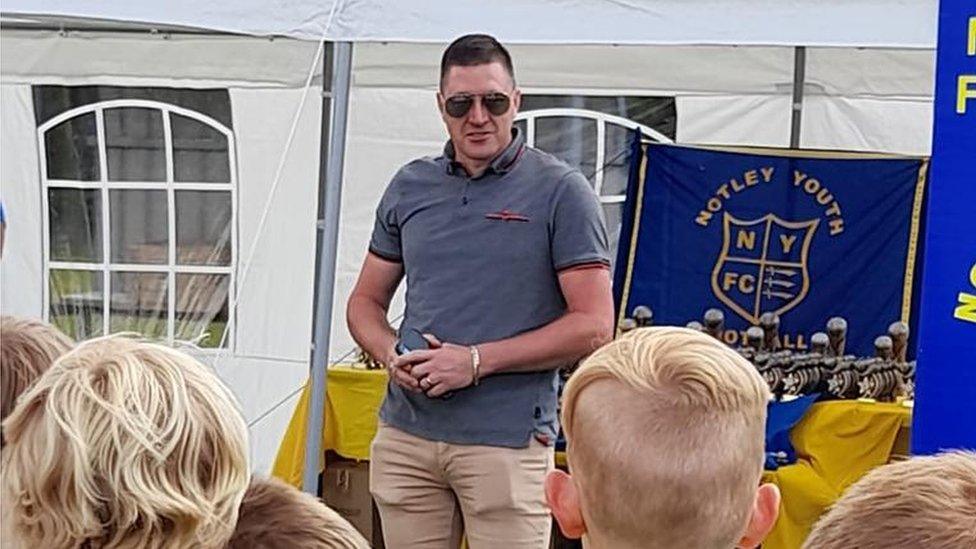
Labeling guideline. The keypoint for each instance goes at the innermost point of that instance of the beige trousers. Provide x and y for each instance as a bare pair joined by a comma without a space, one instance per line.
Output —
429,492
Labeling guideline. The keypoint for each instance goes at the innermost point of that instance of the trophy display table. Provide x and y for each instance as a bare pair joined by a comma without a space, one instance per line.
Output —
836,443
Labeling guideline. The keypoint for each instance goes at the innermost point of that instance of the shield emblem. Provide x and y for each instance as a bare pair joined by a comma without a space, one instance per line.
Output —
763,265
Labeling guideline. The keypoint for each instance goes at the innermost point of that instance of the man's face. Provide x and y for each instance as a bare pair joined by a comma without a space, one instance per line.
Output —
478,135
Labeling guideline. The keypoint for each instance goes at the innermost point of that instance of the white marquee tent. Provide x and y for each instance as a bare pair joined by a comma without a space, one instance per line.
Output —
191,136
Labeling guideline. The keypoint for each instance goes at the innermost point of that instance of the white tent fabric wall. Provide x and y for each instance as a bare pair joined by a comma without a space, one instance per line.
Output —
274,309
21,291
760,120
264,79
274,305
869,99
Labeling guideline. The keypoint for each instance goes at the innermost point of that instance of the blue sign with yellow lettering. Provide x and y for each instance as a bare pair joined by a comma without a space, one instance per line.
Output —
805,235
945,406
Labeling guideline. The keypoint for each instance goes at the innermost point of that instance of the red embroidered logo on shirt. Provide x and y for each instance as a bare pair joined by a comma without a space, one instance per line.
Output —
506,215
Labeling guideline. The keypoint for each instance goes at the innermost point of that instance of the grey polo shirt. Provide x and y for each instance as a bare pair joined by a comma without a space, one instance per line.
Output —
481,258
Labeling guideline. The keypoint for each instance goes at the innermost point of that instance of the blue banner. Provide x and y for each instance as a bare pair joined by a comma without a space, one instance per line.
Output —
945,405
805,235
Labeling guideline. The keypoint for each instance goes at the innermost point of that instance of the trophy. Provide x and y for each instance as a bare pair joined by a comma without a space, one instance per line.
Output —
898,332
769,322
643,316
714,322
837,334
880,379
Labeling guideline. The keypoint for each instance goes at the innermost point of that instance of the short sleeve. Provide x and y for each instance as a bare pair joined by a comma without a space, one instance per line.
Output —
385,241
579,235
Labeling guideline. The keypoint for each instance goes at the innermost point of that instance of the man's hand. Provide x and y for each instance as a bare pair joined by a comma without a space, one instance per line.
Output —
442,368
401,376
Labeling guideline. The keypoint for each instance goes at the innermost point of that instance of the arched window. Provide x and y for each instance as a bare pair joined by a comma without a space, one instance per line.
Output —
139,205
596,143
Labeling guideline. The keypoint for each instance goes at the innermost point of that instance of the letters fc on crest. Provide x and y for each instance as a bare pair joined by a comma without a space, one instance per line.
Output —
763,265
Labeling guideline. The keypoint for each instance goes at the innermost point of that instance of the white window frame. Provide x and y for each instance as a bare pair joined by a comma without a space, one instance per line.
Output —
106,266
601,119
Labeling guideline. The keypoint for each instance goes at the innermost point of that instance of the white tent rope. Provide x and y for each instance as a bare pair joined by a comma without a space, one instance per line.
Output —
246,264
288,397
299,389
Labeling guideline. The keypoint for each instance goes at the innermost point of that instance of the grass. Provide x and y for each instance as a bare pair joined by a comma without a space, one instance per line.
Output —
71,318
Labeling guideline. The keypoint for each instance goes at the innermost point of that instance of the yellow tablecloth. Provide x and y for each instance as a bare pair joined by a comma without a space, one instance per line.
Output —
836,443
353,401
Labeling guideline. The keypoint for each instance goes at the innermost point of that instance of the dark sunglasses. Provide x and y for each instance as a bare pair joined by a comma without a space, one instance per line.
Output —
496,103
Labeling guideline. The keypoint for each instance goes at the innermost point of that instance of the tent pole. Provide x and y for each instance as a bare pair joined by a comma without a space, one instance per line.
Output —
799,79
335,107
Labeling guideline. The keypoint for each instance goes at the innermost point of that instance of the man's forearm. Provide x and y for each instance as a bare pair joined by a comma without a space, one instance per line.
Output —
559,343
369,327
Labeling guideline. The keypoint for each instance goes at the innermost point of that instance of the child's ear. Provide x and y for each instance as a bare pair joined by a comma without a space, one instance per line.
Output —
765,509
563,498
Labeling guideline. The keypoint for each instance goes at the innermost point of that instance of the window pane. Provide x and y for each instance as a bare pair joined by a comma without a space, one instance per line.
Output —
199,152
139,226
613,215
658,113
75,223
50,101
616,163
139,304
71,149
76,302
203,228
134,144
201,308
571,139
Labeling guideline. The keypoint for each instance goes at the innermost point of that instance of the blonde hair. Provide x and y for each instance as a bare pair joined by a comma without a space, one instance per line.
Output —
922,502
124,443
28,347
275,515
666,432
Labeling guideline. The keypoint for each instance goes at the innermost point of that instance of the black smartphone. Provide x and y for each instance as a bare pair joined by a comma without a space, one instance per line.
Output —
411,339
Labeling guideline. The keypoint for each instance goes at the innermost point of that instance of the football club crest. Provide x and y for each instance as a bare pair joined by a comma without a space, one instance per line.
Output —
763,265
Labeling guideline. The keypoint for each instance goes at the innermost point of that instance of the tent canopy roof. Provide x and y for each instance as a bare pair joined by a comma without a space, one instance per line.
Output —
840,23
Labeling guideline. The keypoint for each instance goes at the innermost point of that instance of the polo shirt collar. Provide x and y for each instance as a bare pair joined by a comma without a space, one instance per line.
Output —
502,163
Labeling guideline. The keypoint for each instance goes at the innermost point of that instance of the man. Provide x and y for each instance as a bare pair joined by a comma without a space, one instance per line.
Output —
28,350
923,502
507,270
123,444
665,429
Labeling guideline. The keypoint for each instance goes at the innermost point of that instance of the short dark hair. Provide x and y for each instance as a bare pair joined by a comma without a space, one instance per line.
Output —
475,49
